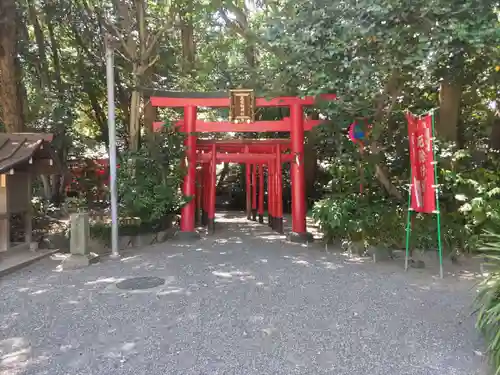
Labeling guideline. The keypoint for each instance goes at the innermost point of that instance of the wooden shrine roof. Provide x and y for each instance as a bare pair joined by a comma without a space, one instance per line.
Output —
18,148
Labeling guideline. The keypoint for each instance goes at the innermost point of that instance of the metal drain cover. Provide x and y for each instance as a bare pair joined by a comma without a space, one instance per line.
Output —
139,283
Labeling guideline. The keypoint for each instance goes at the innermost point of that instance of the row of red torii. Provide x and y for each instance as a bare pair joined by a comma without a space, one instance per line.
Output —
203,155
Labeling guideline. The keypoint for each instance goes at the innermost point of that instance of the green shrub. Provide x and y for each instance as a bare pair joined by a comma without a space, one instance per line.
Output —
488,300
472,189
355,217
149,179
381,221
469,205
102,231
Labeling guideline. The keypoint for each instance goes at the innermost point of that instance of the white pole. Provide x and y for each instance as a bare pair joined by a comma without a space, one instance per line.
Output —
110,80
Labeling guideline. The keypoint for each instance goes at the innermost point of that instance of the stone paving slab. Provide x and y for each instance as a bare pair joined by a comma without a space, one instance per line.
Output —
14,260
241,302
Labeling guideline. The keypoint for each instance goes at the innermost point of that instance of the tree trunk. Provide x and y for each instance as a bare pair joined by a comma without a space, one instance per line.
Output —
11,114
381,172
187,37
149,116
495,133
47,190
450,96
384,104
134,125
22,100
123,99
150,112
41,62
56,196
59,131
383,177
251,56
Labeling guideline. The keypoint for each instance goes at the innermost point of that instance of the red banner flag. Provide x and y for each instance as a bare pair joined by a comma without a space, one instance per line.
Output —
423,195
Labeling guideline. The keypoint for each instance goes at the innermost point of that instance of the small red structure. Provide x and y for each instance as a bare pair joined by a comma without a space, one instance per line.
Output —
86,174
261,157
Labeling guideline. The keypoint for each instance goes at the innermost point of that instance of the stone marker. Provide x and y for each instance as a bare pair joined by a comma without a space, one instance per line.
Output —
380,254
486,267
417,263
79,243
357,248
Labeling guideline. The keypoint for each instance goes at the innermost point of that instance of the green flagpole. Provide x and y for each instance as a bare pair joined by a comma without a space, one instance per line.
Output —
408,220
438,210
408,228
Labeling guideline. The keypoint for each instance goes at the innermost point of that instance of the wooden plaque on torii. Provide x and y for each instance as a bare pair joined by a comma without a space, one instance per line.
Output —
241,106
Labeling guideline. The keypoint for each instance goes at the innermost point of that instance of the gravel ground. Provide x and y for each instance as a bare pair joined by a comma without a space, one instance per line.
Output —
242,302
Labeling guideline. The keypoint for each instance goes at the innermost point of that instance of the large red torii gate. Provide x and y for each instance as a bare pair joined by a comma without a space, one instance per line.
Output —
256,154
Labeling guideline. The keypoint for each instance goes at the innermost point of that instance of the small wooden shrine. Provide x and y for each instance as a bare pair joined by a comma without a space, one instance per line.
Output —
23,156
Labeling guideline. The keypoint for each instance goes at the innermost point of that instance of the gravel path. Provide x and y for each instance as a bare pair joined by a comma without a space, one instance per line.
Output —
242,303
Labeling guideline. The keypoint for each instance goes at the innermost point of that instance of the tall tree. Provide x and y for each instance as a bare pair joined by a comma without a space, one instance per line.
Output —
11,101
139,27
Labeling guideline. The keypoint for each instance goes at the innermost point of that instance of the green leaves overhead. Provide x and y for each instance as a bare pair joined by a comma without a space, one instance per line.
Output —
352,48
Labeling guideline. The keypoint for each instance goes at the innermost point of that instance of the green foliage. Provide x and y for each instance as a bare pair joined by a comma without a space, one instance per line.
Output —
380,221
102,231
353,49
469,205
471,192
149,180
357,217
488,299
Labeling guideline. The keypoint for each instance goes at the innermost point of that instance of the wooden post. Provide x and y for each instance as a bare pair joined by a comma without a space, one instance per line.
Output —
5,215
211,188
279,192
254,192
199,205
261,193
28,215
248,189
270,204
205,192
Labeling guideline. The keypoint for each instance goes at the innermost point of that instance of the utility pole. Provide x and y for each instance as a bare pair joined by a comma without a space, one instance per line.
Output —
110,82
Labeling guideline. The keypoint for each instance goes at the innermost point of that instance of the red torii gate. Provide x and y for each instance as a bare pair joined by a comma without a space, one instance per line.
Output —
256,154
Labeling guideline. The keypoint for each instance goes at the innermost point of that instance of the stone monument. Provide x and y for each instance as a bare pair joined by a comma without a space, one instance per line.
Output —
80,255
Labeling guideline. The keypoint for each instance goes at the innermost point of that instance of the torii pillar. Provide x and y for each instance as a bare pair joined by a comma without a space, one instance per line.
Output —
299,210
188,230
261,193
254,192
212,189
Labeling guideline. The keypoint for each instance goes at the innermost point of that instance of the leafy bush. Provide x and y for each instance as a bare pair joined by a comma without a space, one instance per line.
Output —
102,231
488,300
374,220
472,188
149,179
469,204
